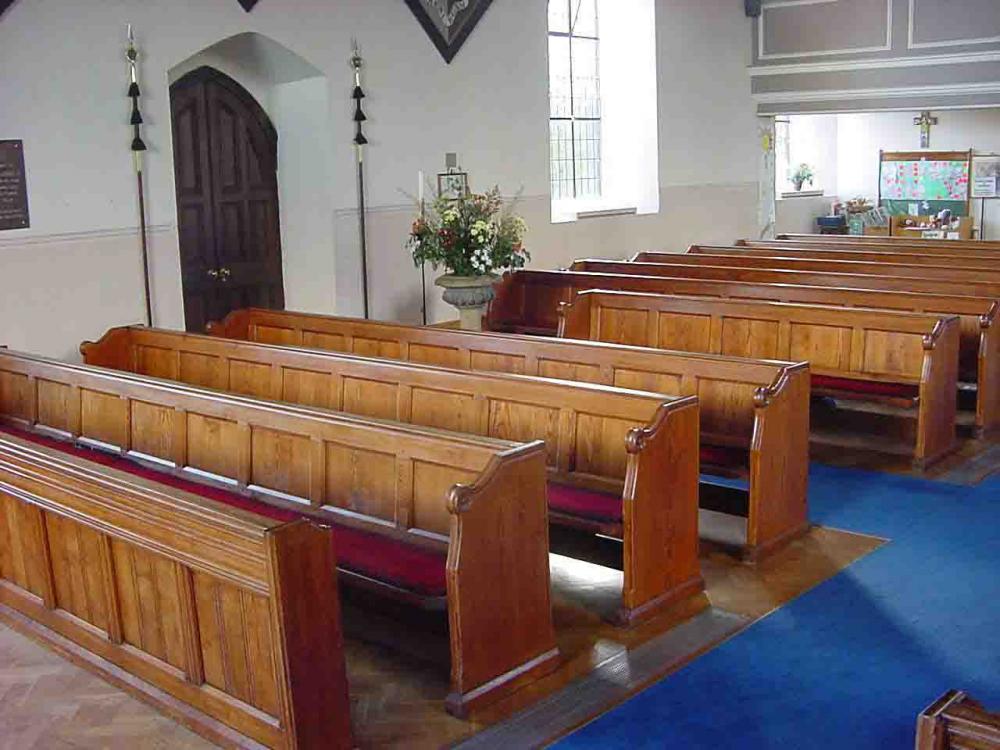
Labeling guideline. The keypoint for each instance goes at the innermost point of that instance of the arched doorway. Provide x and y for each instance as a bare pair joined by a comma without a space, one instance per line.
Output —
225,172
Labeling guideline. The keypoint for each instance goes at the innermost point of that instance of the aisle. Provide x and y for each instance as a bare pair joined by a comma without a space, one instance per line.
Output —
852,662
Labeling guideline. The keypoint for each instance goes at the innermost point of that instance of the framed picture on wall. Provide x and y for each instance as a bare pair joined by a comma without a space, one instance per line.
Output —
453,185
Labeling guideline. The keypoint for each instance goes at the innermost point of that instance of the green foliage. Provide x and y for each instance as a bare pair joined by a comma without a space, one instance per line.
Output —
802,175
470,236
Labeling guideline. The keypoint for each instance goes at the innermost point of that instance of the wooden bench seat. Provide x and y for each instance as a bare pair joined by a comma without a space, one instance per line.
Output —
602,441
957,722
709,255
197,608
730,269
749,410
908,360
443,494
908,256
529,300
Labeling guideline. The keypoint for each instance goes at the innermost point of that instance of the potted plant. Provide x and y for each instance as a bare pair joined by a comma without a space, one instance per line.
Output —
802,175
473,237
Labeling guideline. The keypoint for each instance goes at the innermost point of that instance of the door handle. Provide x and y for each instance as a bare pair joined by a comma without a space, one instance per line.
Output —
224,274
213,273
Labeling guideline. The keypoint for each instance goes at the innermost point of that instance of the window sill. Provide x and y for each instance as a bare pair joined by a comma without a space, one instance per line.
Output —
801,194
562,214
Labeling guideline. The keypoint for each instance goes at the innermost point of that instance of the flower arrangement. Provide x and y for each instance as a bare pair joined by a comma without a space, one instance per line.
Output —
803,174
473,235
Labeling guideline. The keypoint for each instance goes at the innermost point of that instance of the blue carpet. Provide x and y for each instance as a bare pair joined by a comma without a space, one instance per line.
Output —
852,662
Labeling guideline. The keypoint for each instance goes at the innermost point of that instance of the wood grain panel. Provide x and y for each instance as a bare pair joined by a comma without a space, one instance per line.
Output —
319,340
22,554
654,382
600,445
892,353
157,362
622,326
205,435
461,412
431,483
15,394
493,362
757,339
726,408
370,398
104,417
362,481
55,404
374,347
311,388
525,422
198,369
577,371
280,461
249,378
152,430
821,346
76,552
442,356
686,333
266,334
148,594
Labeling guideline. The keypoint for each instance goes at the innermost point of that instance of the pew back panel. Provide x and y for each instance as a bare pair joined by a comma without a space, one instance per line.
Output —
906,256
726,387
389,479
881,241
160,590
917,351
979,347
586,426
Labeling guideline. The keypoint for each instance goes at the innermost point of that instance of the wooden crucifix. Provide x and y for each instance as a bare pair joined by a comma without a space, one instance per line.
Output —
925,121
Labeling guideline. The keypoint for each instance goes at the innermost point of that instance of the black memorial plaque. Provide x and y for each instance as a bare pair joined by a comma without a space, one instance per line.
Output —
13,188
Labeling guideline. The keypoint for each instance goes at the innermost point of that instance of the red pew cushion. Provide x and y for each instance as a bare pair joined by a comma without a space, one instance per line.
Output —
374,555
866,387
720,455
596,506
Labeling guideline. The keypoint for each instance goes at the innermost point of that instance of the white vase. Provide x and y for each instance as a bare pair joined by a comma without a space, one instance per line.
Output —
470,295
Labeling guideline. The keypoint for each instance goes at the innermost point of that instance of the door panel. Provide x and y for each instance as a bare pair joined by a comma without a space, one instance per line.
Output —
225,164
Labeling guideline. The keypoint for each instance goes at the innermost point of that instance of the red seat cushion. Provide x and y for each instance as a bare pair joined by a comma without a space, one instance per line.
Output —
596,506
374,555
866,387
720,455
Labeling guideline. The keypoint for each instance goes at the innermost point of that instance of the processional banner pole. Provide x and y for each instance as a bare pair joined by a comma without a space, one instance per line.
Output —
138,146
359,148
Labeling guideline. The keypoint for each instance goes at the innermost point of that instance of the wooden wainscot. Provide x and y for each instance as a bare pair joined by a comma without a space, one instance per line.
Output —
602,479
725,387
900,360
223,619
385,488
957,722
529,300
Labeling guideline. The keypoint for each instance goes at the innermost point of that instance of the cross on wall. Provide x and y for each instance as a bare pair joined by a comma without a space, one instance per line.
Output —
925,121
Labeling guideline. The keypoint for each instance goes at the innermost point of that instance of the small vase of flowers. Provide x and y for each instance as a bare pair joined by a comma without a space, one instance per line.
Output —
473,237
802,175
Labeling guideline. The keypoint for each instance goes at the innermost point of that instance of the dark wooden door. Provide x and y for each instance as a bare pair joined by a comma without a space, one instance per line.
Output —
225,170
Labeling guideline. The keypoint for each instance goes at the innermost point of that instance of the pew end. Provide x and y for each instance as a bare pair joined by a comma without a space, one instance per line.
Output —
955,720
502,632
988,373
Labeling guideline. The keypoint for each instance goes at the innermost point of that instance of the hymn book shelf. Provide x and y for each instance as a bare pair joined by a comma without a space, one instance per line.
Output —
753,413
425,503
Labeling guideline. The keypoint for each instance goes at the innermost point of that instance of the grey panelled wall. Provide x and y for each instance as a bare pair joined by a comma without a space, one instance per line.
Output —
849,55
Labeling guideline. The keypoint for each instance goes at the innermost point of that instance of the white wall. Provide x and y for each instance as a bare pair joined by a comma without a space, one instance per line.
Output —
74,272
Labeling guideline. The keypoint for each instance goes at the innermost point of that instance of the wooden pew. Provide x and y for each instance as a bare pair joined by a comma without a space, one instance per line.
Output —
754,415
623,463
902,359
414,510
225,620
528,301
956,721
705,255
911,257
894,244
729,269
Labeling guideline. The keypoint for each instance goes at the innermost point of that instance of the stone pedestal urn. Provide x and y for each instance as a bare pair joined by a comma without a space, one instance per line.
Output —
470,294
